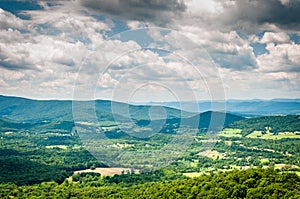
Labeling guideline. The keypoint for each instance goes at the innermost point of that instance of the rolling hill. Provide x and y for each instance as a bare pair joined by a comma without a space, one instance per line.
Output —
242,107
28,110
43,115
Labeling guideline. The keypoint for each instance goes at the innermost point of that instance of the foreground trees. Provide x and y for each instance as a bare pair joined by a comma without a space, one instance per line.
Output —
253,183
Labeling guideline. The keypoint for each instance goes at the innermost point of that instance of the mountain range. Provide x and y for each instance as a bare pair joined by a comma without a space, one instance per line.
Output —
23,113
255,107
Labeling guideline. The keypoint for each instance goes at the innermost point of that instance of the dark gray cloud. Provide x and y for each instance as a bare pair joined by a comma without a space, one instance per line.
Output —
159,12
14,66
250,14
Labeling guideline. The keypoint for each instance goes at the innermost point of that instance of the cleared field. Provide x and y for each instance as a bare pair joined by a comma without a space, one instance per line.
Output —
207,140
86,123
125,145
211,154
281,135
230,132
241,167
276,166
264,160
107,171
103,171
107,123
193,174
57,146
228,143
109,128
281,166
209,170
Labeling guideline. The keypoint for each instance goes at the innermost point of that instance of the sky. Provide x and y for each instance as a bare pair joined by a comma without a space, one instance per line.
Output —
150,50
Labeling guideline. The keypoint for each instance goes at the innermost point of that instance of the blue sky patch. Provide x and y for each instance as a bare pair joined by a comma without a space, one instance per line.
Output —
259,49
16,7
295,38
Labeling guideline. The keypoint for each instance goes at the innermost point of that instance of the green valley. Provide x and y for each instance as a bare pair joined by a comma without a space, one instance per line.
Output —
69,158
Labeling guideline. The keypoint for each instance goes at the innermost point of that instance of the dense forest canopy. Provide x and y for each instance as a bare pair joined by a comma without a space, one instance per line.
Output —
253,183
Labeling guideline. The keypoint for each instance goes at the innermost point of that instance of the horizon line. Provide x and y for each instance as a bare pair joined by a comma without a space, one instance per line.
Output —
137,102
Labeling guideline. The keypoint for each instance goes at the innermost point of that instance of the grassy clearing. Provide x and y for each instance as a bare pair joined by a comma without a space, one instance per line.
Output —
281,166
233,167
264,160
103,171
229,135
107,123
208,140
241,167
121,146
211,154
106,171
228,143
194,164
86,123
281,135
230,132
207,171
109,128
193,174
57,146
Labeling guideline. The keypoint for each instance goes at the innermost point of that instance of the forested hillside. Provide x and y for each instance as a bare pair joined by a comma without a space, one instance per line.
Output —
274,124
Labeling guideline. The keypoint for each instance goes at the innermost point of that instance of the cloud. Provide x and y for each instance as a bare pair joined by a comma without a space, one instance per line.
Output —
14,55
40,56
159,12
68,20
134,24
227,49
281,58
260,84
55,35
250,14
281,53
8,20
273,37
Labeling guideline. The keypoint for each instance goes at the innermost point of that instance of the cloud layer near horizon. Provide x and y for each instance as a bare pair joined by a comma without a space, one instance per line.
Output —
254,45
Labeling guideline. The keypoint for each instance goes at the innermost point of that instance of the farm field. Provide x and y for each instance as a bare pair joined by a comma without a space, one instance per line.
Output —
105,171
280,135
211,154
231,132
207,171
57,146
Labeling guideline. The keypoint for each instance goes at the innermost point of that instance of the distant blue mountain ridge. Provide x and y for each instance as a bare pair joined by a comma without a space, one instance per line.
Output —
255,107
